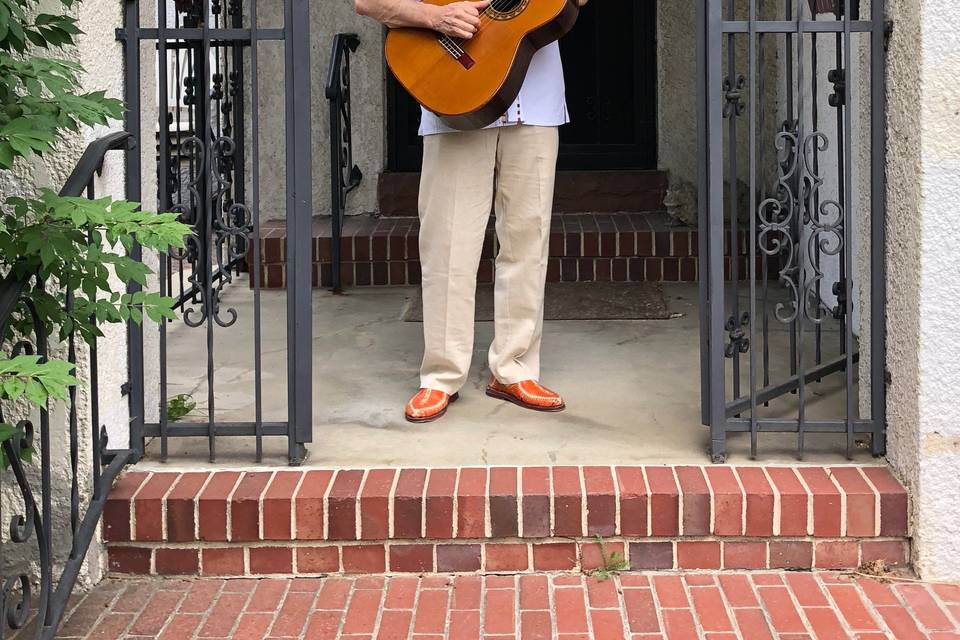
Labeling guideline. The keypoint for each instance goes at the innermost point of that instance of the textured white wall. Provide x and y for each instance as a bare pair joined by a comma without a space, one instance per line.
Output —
924,282
98,51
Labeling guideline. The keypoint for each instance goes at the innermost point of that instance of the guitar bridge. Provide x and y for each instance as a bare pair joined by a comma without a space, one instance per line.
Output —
457,52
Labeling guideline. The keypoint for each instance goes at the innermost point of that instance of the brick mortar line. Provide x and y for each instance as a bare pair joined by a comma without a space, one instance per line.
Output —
326,504
163,507
877,504
293,506
229,504
828,596
874,609
357,504
777,503
584,511
810,500
487,518
617,496
455,506
381,606
423,506
173,614
649,501
712,522
801,611
263,495
521,496
743,501
680,501
843,501
132,508
729,605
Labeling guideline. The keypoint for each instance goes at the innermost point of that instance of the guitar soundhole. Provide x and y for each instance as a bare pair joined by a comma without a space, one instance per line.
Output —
506,9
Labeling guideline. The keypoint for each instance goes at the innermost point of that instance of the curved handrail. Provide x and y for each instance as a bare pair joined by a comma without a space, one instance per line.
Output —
91,161
341,42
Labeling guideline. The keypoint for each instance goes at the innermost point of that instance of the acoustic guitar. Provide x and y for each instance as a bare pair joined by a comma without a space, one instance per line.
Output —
471,83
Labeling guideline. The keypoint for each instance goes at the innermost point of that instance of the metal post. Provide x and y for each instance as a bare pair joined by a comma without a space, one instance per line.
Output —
714,195
704,266
299,230
132,187
878,230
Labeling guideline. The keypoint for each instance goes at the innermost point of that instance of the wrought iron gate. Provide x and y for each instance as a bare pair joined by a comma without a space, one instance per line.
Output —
791,113
231,122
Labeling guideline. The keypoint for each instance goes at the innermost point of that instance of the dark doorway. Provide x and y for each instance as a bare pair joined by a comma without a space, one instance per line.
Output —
610,68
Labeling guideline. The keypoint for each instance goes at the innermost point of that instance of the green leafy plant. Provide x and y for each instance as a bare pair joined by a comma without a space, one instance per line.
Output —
49,244
180,406
611,563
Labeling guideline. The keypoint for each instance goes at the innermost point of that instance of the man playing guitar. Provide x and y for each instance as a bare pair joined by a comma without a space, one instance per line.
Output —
509,166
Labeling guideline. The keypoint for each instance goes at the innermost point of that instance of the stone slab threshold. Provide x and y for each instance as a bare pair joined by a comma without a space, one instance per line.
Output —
488,520
702,605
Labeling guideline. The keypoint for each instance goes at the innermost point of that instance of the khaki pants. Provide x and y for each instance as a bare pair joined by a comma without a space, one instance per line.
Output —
464,173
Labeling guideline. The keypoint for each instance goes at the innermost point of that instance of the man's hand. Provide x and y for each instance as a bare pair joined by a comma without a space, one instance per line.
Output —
457,19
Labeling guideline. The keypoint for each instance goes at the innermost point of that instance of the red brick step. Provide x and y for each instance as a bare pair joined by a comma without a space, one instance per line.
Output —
504,519
623,247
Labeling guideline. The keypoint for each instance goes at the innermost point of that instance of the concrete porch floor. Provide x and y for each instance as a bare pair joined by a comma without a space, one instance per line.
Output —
632,389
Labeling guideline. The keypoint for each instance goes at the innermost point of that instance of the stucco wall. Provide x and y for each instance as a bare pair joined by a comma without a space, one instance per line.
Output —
367,82
100,54
924,283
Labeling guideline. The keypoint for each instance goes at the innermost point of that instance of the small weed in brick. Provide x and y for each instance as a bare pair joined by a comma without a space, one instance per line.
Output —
611,563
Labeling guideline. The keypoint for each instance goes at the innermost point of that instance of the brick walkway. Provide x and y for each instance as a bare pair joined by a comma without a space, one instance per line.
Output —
756,606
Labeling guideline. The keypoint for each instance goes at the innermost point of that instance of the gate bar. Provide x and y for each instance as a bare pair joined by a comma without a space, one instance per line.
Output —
300,199
132,188
714,68
878,229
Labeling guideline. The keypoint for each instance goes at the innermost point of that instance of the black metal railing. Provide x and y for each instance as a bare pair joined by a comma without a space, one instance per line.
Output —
36,523
345,176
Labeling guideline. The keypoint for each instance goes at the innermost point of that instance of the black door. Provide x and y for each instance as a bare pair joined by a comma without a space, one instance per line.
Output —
610,68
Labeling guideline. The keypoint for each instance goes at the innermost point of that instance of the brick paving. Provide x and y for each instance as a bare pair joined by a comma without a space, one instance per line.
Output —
635,606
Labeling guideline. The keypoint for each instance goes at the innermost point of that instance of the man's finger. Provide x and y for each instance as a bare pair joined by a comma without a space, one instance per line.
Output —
481,5
463,25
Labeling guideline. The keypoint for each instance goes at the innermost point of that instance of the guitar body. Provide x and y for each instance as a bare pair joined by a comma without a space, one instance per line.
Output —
471,83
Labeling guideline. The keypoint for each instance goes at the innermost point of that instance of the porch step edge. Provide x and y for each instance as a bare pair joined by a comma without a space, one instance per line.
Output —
506,502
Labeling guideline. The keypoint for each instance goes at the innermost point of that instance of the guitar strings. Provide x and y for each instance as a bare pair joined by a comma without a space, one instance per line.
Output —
454,47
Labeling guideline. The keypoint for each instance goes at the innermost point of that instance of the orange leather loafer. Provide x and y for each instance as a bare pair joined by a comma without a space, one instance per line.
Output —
528,394
428,405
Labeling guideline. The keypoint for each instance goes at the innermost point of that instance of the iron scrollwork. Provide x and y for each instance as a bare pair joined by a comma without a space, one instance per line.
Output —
824,227
737,332
209,168
821,227
733,91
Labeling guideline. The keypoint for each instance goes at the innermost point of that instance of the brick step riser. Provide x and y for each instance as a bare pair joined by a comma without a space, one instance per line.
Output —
305,558
841,515
407,272
404,245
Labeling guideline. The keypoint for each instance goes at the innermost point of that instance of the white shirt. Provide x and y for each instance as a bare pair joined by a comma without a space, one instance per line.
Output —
541,101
